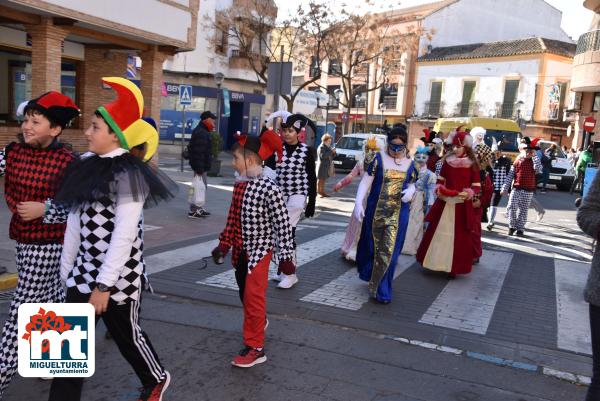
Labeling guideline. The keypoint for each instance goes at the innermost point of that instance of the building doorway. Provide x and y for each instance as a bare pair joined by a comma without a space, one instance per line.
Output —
236,122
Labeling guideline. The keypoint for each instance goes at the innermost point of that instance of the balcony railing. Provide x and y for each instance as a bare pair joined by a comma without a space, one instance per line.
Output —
506,110
467,109
246,54
432,109
390,102
588,42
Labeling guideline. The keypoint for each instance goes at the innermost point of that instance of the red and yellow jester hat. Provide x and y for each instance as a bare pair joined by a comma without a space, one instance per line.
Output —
124,116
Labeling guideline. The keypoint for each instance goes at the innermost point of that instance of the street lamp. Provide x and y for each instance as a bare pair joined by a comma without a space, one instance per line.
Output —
357,98
338,95
219,77
382,107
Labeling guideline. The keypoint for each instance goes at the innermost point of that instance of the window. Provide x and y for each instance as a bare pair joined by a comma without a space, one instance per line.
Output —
596,106
435,98
333,102
335,68
466,105
314,67
389,95
222,39
511,88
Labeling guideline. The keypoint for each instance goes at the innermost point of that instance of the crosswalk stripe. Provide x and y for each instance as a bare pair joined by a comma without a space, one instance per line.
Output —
467,303
180,256
306,252
348,291
571,309
538,249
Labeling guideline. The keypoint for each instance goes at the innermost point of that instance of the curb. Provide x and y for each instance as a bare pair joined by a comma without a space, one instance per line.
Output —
8,280
545,370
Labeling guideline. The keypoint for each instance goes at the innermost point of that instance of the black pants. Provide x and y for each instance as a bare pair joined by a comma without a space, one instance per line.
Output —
593,393
241,270
122,323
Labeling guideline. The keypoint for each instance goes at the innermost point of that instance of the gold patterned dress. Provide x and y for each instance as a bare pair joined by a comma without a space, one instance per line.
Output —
385,223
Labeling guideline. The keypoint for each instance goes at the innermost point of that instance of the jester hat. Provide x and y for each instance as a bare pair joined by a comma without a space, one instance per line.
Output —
460,138
124,116
264,146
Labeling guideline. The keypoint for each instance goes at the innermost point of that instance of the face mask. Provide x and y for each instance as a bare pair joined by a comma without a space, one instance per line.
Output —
209,125
396,147
421,158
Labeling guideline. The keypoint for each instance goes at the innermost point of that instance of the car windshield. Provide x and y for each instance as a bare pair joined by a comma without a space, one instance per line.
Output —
350,143
508,141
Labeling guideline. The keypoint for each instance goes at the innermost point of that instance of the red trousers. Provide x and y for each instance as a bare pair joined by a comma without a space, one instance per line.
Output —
253,293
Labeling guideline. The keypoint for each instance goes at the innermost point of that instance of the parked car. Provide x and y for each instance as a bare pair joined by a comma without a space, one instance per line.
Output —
350,148
562,172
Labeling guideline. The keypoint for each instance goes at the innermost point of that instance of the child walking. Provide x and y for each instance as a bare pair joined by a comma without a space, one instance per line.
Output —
102,261
33,171
298,181
257,215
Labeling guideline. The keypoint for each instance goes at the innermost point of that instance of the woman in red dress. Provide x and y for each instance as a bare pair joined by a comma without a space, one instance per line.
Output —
451,218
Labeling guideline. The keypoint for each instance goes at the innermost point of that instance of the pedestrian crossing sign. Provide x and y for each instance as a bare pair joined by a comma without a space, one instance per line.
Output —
185,95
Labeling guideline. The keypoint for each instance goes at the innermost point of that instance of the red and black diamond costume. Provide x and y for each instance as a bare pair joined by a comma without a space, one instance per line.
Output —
257,216
34,175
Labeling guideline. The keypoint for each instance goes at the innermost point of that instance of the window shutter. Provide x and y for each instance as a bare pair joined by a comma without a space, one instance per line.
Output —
435,98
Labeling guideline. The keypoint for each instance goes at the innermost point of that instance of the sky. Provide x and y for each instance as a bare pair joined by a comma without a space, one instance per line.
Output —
576,18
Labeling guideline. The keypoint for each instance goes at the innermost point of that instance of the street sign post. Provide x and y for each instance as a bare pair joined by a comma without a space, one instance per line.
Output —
185,99
589,124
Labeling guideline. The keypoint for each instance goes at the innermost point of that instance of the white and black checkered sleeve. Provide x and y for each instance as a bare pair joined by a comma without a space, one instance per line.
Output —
71,244
281,222
509,179
537,164
55,213
127,217
2,161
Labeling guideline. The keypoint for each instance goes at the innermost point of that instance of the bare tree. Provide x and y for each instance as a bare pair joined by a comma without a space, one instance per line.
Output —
251,33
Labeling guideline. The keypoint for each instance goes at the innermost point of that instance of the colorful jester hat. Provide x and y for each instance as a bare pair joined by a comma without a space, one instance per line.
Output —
124,116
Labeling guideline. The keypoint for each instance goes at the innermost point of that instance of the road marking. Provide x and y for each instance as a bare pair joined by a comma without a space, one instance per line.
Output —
467,303
148,227
348,291
537,250
571,309
306,252
178,257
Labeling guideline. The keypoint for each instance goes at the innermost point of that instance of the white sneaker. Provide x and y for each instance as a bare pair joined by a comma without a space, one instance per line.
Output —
540,216
288,281
278,277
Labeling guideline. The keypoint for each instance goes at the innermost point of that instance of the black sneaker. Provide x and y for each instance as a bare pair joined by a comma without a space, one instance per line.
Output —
520,233
511,231
196,214
155,392
203,212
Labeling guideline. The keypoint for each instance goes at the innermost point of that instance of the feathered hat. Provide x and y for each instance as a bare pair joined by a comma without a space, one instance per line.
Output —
422,154
460,138
429,136
264,146
124,116
57,108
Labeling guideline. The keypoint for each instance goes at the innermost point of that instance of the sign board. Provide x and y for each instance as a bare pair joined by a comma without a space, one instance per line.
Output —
589,124
185,95
280,78
226,103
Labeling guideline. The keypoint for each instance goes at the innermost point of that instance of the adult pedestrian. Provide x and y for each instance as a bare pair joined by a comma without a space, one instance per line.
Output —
326,169
584,158
588,219
200,157
546,157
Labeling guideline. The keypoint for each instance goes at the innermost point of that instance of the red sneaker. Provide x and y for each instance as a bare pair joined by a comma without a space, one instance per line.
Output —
155,393
249,357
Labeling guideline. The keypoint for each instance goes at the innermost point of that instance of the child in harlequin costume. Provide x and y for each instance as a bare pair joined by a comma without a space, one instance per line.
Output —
350,243
523,181
388,186
447,243
102,261
422,201
33,171
297,178
481,200
501,166
434,144
257,216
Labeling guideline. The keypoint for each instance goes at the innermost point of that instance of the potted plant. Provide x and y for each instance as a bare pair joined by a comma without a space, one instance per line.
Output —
216,145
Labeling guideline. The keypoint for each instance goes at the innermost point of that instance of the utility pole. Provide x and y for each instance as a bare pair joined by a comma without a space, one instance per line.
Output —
367,100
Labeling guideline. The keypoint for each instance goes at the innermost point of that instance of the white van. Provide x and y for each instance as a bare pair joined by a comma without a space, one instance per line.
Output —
349,149
562,172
